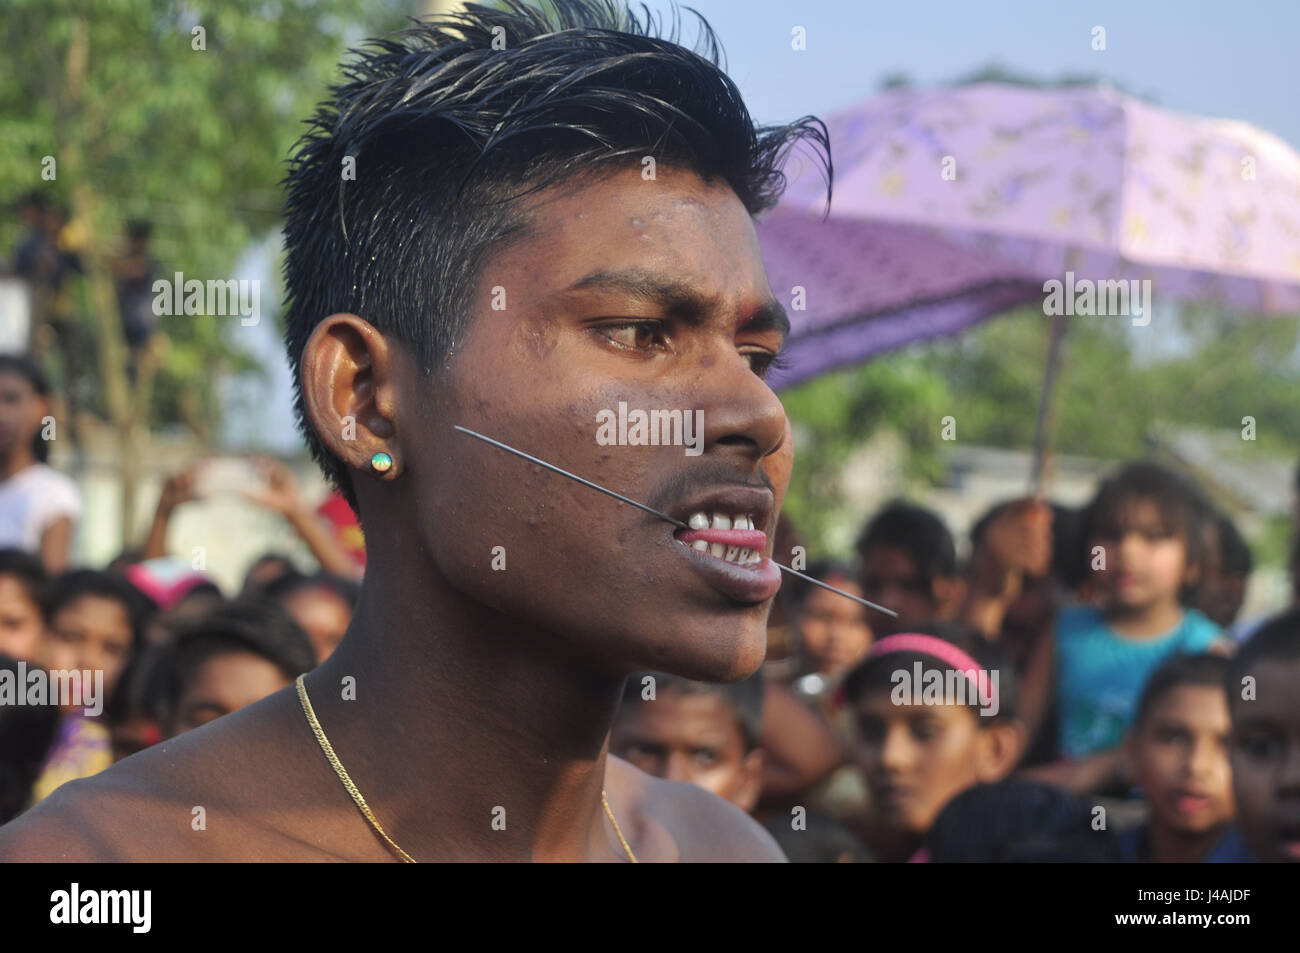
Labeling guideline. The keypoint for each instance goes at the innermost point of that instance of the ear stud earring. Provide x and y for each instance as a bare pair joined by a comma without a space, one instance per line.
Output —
381,462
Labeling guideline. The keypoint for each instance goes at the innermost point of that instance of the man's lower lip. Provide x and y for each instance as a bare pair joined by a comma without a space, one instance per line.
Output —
750,584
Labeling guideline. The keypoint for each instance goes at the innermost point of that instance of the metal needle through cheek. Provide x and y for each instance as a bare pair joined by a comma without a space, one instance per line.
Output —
663,516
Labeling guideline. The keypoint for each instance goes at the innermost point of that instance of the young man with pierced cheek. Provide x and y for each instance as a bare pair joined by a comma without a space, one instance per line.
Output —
477,687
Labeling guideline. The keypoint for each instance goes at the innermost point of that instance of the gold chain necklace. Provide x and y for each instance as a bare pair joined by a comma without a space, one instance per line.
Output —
360,801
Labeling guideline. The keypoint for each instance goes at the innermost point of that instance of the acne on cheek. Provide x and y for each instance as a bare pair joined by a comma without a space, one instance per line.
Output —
539,337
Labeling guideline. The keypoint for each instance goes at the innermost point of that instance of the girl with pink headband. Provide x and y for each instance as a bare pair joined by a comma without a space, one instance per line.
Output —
934,714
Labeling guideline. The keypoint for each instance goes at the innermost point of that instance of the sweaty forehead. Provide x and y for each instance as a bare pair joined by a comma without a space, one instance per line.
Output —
676,224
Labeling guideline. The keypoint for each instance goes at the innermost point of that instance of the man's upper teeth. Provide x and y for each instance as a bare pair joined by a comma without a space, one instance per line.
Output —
703,520
732,554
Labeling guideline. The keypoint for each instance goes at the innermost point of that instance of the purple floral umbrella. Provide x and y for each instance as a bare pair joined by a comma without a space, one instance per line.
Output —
954,204
869,287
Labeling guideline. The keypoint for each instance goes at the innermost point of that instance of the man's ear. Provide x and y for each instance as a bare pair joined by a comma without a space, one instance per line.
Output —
999,748
349,393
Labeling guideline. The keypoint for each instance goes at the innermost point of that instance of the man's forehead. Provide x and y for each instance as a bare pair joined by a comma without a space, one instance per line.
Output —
678,244
622,212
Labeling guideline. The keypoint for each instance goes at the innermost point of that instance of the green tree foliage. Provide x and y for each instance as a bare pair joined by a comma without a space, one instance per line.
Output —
1110,395
177,114
834,414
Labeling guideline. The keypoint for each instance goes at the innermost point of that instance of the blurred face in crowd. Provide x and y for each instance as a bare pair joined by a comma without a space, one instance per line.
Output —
30,214
1179,755
1031,614
265,571
1146,563
91,632
164,625
21,625
891,578
133,732
1266,762
684,736
21,412
1221,593
224,683
323,614
915,758
834,631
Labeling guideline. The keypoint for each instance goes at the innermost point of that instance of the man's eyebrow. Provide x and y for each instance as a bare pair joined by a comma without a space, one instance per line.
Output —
679,296
770,316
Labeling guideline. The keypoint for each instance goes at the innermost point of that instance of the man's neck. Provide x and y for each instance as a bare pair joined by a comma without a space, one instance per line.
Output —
464,722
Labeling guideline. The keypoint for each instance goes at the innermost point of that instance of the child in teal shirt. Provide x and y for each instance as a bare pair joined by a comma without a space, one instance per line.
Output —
1143,534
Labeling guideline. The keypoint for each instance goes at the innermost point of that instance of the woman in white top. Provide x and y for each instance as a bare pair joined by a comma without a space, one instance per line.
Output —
39,506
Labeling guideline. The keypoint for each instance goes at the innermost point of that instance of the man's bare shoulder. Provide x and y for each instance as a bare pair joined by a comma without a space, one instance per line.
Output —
704,827
122,814
202,796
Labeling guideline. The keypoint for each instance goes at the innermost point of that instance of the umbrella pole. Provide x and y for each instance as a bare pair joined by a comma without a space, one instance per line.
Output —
1043,422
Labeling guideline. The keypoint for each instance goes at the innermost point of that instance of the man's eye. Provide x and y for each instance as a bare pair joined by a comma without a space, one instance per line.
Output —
760,362
634,335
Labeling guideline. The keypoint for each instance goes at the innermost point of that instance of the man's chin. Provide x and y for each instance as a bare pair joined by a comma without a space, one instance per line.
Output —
706,653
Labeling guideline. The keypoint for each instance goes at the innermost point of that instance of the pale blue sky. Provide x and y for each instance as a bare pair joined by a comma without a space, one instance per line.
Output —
1238,60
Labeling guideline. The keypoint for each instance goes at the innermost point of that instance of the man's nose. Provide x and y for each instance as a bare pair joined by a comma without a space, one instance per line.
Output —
741,413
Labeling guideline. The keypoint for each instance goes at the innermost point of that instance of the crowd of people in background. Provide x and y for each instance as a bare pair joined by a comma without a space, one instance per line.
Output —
1132,716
